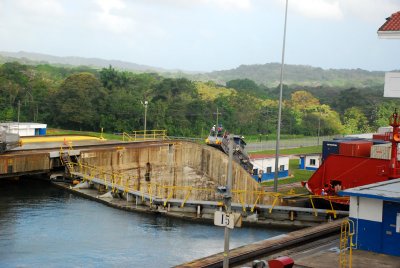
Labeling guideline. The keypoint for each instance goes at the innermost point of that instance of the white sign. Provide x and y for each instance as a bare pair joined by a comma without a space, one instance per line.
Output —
398,223
392,85
223,219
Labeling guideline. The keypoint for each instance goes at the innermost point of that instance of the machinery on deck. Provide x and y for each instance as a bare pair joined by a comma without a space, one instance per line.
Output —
219,139
340,172
8,140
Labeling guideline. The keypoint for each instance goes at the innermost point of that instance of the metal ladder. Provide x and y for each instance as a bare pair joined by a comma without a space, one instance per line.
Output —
346,243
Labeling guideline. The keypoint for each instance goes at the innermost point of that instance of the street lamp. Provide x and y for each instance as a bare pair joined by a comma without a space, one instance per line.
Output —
278,132
319,125
145,103
227,201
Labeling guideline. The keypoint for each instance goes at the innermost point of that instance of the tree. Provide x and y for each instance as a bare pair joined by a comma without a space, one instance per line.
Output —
383,111
78,102
303,100
355,121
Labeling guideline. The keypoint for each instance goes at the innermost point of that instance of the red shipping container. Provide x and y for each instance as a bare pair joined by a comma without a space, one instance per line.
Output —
382,137
356,148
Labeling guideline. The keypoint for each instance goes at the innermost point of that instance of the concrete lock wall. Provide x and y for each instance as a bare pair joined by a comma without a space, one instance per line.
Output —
162,165
14,164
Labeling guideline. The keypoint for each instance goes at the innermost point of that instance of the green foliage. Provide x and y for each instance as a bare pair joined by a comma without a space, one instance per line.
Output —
82,98
355,121
78,101
301,150
297,175
269,74
211,91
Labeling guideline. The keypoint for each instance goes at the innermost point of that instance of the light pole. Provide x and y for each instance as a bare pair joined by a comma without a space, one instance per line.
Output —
319,125
227,201
278,132
145,103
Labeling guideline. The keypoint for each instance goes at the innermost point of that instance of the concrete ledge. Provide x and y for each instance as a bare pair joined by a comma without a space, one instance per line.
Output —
254,250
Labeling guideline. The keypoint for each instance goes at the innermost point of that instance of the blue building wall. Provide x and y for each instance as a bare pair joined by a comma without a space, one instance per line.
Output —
380,237
390,238
311,168
302,162
368,235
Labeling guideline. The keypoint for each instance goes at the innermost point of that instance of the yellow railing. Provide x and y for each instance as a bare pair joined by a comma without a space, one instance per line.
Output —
155,190
346,243
147,135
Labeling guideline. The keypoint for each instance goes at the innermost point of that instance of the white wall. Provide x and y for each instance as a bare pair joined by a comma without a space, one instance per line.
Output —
317,161
23,129
264,163
366,209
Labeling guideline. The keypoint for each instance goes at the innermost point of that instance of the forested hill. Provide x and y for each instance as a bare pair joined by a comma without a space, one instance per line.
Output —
266,74
38,58
269,75
83,98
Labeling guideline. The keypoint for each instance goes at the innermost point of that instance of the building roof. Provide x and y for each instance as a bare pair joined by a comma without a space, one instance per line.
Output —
391,28
385,190
23,125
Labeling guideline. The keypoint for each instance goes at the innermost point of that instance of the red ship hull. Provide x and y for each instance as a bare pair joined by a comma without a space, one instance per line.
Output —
339,172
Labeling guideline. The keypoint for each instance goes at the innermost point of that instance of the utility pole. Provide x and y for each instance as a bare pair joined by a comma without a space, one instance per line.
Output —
19,109
227,201
145,103
217,113
319,126
278,132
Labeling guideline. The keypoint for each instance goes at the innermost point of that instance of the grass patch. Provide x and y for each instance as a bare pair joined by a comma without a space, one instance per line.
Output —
108,136
297,174
300,150
268,137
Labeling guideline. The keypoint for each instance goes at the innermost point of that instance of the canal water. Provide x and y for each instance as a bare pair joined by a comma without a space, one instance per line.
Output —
44,226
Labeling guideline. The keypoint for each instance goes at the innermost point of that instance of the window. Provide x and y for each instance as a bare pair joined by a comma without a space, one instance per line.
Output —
281,167
312,162
269,170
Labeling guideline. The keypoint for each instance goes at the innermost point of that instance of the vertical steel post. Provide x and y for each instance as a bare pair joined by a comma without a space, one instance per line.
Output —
19,109
319,126
278,131
145,118
227,201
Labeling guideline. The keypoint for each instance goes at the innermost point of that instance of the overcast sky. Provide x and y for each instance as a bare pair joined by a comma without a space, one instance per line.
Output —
204,35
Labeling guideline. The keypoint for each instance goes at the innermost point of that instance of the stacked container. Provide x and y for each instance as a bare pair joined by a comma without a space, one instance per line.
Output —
355,148
330,147
381,136
383,151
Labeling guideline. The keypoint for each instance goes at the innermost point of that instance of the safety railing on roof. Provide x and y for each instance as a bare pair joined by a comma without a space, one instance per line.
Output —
147,135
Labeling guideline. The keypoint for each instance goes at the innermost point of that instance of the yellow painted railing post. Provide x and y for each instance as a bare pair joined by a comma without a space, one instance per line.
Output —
274,202
186,197
312,204
255,203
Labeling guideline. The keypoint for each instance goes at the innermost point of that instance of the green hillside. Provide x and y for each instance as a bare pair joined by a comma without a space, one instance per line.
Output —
269,75
263,74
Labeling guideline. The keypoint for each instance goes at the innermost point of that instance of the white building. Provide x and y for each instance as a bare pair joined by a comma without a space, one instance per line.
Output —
25,129
310,161
375,211
265,164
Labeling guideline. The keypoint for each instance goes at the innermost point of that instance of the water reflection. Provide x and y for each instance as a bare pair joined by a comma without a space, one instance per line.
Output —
43,226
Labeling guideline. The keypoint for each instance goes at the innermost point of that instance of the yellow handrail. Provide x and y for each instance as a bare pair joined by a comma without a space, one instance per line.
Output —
148,135
123,180
346,243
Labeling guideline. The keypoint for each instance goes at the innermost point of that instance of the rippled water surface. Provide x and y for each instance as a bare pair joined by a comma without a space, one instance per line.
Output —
43,226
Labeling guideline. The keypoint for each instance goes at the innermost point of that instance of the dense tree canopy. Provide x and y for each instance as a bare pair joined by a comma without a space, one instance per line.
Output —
88,99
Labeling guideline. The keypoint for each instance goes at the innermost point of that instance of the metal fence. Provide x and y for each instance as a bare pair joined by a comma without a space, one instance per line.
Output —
285,144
